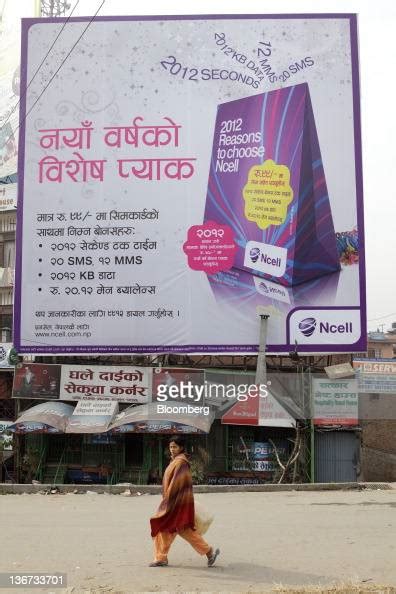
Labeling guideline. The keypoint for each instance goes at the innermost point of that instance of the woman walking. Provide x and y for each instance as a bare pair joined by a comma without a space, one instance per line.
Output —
175,514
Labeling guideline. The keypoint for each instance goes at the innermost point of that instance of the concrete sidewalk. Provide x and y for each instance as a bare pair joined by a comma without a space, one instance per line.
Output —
17,489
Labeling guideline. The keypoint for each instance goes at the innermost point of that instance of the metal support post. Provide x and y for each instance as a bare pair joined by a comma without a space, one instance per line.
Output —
261,369
312,430
312,469
18,445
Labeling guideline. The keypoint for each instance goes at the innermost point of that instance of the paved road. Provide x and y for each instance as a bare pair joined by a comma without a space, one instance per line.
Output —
102,541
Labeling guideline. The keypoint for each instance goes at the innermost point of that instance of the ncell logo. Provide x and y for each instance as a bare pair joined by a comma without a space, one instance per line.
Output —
271,290
344,328
307,326
254,254
266,258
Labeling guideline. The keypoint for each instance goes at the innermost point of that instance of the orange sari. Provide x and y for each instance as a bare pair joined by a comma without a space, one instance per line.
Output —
176,510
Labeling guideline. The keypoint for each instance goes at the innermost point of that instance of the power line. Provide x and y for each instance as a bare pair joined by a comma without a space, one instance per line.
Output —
39,67
56,72
382,317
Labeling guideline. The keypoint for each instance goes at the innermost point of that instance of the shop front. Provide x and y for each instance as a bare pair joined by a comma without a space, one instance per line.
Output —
59,446
92,441
251,457
86,458
227,455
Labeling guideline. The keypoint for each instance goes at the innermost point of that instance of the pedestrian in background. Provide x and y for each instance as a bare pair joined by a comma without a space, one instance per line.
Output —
175,514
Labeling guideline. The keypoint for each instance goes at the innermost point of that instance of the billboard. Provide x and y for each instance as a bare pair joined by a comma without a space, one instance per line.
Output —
170,190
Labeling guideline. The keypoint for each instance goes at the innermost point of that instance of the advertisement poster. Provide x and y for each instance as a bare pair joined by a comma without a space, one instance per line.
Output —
36,380
335,402
260,456
181,174
264,458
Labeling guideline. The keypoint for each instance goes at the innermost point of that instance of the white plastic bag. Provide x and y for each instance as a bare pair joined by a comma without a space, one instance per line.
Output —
203,517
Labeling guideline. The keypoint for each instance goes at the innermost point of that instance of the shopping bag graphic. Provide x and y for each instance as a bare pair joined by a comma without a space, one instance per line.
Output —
267,182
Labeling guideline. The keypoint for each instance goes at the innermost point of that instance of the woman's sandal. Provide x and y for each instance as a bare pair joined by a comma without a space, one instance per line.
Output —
213,556
159,564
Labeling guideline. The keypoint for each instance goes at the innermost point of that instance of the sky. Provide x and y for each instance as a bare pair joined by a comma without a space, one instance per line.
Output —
377,27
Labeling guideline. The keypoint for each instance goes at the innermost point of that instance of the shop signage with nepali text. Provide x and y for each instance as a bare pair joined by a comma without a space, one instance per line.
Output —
77,382
123,384
335,402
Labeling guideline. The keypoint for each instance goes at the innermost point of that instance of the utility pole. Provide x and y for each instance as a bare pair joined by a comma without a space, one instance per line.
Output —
261,369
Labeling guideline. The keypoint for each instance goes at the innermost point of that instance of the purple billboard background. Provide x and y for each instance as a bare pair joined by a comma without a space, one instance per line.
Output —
287,127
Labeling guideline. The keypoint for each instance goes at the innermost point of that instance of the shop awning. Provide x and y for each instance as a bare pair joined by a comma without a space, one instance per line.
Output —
47,417
259,412
283,405
58,417
148,418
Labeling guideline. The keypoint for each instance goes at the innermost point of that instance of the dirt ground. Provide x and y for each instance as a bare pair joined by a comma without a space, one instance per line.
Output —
292,538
